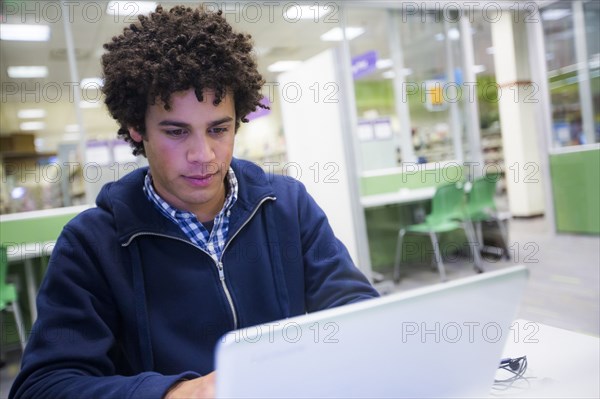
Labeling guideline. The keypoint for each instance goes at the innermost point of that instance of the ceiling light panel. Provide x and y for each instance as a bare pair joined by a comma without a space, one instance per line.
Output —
89,104
25,33
74,128
281,66
24,72
31,113
30,126
337,35
92,83
384,63
555,14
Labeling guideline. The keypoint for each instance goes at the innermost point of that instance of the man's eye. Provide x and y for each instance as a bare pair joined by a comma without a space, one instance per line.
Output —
217,130
175,132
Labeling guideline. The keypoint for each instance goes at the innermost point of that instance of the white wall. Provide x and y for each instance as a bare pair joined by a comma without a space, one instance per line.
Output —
312,123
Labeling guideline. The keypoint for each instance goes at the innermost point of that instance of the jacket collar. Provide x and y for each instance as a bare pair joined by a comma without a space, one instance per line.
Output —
134,214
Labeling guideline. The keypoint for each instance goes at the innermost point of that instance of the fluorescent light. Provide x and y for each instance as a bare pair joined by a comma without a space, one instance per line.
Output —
22,72
31,113
439,37
72,128
314,12
92,83
282,66
18,192
33,125
555,14
89,104
336,34
384,63
453,34
25,33
130,8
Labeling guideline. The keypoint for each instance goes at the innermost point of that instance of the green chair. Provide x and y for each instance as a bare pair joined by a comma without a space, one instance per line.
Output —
447,214
481,207
9,299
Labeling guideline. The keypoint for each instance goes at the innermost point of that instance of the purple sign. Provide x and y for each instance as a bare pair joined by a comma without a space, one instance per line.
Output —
364,64
259,112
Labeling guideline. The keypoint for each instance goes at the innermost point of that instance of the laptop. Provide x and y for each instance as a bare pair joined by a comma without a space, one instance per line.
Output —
444,340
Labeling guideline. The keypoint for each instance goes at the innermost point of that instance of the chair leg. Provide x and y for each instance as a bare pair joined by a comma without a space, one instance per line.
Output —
438,255
401,234
479,234
504,235
468,227
19,321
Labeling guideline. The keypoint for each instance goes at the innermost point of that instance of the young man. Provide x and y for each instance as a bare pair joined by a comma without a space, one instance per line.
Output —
141,288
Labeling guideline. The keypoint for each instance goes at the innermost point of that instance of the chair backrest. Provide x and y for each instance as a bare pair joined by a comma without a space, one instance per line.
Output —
481,196
447,203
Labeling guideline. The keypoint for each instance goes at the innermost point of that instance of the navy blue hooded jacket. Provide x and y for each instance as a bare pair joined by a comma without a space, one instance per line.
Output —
129,305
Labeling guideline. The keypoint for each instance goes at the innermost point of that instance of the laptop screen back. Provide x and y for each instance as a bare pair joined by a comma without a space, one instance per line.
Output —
439,341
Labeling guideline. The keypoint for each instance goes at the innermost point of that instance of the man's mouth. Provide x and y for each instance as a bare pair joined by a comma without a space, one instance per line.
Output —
200,177
199,180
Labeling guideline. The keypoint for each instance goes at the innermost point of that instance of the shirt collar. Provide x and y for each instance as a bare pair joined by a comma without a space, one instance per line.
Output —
173,212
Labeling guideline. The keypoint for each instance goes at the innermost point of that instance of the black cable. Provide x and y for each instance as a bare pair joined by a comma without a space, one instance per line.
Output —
516,367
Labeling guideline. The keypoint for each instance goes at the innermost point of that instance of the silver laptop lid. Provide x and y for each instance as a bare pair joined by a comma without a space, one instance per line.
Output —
444,340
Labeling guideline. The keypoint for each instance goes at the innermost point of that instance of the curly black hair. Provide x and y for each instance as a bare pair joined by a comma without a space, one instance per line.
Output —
177,50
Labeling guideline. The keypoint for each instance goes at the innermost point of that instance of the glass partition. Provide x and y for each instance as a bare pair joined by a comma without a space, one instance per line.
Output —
417,82
429,43
573,60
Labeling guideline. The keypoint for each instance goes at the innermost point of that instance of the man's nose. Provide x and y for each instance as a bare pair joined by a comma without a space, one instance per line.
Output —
200,149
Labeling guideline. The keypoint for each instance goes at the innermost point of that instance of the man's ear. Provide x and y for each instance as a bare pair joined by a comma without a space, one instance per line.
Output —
135,135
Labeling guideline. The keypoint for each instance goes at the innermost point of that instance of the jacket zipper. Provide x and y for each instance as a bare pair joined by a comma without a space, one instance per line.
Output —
218,263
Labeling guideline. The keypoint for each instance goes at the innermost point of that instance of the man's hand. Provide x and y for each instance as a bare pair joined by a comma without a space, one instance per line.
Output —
198,388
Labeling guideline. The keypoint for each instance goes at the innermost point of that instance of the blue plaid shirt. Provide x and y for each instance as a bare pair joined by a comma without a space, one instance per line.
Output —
213,242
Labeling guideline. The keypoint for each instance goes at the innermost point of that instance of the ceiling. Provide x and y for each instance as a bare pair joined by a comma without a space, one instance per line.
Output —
276,38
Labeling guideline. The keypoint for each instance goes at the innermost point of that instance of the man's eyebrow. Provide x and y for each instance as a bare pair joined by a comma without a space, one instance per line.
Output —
220,121
173,123
187,125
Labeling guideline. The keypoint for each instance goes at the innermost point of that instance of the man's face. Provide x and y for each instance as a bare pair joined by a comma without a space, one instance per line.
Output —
189,149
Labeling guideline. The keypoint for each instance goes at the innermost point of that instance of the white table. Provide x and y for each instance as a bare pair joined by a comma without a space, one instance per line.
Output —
402,196
24,252
561,363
